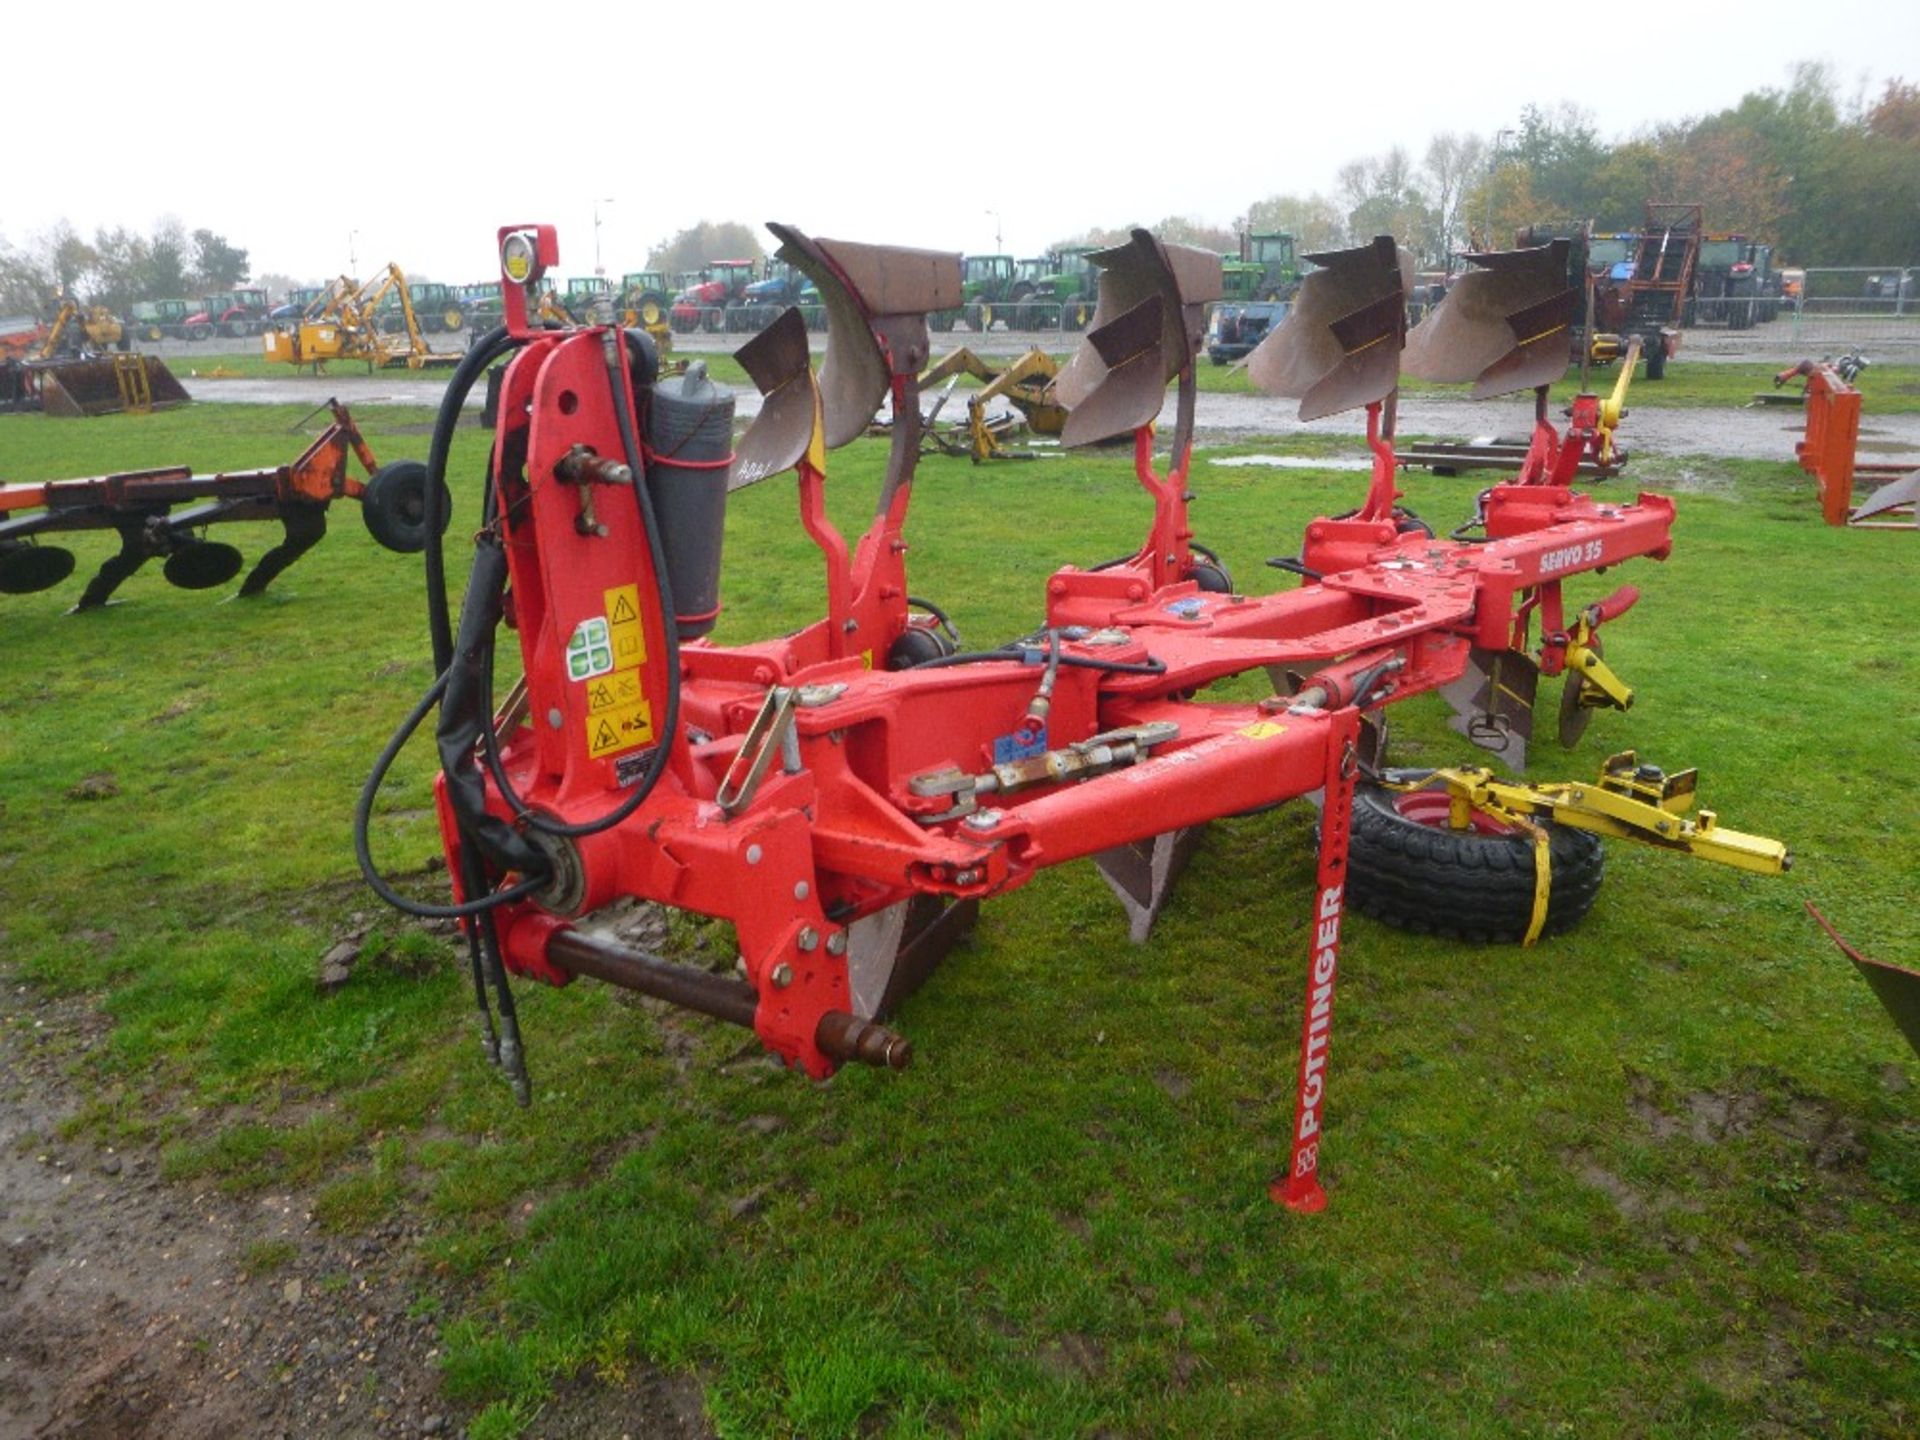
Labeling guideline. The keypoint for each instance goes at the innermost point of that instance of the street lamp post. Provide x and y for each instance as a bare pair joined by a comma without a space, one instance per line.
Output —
598,268
998,243
353,254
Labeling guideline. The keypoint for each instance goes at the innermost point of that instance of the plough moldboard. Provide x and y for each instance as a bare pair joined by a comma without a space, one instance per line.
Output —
164,513
847,793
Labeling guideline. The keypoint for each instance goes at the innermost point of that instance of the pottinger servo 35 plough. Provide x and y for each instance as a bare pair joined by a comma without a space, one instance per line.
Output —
845,795
141,506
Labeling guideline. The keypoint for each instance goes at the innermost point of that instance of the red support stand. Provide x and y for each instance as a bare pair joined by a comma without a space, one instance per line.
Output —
1300,1189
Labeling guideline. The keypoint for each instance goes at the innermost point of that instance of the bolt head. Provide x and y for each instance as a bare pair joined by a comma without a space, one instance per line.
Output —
782,975
801,891
809,938
555,718
753,854
837,943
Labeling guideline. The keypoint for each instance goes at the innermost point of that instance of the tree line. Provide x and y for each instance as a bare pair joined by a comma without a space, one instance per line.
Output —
1827,179
117,267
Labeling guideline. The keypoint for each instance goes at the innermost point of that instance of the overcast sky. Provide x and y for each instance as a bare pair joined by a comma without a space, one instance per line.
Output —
286,127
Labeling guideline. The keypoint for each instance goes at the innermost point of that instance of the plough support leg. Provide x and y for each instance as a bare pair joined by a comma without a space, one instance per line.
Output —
1300,1189
305,526
135,550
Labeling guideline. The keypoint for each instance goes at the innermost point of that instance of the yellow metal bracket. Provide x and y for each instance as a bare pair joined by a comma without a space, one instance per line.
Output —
1629,801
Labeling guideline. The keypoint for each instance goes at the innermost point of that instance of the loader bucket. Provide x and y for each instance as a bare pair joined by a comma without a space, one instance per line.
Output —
870,292
1504,326
1339,347
789,423
1185,280
1897,987
129,383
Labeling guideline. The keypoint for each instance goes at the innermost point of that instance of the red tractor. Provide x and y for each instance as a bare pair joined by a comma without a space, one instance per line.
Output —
703,304
235,313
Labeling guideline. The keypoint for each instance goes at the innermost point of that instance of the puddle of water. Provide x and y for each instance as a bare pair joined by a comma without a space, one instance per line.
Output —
1293,462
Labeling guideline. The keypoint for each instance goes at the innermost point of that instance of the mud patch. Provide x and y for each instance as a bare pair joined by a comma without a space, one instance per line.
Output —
1828,1138
654,1406
133,1307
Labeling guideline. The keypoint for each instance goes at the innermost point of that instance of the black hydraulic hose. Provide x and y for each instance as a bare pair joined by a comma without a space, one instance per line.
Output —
938,614
363,817
481,353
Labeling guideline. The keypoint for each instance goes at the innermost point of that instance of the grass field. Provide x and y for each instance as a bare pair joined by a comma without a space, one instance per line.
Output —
1659,1177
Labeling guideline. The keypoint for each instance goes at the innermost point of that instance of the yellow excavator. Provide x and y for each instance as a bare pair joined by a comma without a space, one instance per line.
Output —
1027,383
342,323
84,330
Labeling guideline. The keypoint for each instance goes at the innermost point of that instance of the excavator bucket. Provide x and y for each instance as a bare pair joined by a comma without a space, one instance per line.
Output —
1185,281
877,298
1126,356
1896,987
790,423
124,383
1339,347
1505,325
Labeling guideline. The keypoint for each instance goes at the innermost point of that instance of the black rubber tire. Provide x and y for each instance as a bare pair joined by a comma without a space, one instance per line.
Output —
1461,884
394,506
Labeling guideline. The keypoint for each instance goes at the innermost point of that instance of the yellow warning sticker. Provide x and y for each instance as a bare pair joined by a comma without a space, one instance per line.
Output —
1263,730
618,691
623,624
624,728
623,605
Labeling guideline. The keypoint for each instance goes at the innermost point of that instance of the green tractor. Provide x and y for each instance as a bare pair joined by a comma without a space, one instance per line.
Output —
159,319
645,297
589,299
987,291
1269,265
1065,294
482,302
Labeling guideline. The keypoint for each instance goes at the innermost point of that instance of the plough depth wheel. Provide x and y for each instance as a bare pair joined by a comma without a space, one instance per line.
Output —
1410,869
395,506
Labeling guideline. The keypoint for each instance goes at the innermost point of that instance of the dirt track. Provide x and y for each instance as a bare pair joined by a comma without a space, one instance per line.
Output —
127,1309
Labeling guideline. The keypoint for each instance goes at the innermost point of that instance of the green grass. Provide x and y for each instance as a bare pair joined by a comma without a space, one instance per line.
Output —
1056,1222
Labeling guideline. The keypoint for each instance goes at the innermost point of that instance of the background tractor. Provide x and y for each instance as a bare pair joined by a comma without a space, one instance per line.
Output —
645,298
159,319
1734,284
1278,265
702,303
237,313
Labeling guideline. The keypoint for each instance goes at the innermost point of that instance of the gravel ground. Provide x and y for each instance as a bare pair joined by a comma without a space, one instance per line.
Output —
1757,434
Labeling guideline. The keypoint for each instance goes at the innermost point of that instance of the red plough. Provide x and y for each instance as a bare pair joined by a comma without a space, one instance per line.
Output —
142,506
846,794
